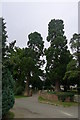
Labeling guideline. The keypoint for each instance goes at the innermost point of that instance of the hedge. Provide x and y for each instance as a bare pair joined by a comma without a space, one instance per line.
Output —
63,95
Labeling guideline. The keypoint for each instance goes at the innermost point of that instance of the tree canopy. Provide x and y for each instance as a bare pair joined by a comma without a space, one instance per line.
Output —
57,54
24,65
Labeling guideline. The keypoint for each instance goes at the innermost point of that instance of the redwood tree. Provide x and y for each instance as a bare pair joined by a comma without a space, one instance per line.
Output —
57,54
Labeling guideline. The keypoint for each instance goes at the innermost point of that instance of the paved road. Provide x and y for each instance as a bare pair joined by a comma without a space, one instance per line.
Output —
31,108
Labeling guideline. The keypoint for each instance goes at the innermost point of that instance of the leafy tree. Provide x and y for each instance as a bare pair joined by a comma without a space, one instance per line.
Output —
23,64
20,63
15,63
72,74
75,46
7,80
29,67
57,54
36,43
35,51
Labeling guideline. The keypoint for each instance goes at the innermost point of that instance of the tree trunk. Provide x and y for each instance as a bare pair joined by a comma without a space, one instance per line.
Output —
78,85
57,86
26,93
65,88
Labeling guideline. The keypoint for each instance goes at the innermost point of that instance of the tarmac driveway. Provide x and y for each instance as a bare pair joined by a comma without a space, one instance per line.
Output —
30,108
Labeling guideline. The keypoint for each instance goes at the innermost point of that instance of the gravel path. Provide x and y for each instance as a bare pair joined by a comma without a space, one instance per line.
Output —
31,108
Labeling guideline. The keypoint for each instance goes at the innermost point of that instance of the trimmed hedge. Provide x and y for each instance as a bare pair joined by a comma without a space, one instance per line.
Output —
63,95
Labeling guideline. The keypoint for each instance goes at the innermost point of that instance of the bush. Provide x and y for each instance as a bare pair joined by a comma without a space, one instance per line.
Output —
9,116
8,100
19,90
63,95
7,91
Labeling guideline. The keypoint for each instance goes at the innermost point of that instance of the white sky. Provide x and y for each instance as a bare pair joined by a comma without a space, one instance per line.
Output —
25,17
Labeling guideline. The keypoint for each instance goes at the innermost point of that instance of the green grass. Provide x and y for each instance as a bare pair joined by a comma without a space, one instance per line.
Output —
57,103
20,96
10,115
41,98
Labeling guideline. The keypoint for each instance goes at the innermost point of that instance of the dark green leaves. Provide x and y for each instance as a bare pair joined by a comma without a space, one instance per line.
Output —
55,28
7,79
36,43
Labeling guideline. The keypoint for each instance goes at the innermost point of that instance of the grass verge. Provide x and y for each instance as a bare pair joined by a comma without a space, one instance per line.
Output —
10,115
20,96
57,103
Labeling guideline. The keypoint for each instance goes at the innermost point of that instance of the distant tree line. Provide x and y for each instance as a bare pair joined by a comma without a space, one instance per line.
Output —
21,67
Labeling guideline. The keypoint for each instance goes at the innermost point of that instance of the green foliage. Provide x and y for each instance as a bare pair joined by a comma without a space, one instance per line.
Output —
55,28
57,54
75,46
75,43
7,79
72,65
25,63
72,74
7,91
57,103
9,115
63,95
36,43
40,98
19,90
4,39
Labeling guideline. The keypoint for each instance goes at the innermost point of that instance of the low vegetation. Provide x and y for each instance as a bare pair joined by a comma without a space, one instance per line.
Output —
10,115
63,95
56,103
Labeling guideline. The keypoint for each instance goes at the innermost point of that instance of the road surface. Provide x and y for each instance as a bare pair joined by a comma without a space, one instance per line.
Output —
30,108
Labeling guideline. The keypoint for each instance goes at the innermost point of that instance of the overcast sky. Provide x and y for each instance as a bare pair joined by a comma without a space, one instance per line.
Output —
22,18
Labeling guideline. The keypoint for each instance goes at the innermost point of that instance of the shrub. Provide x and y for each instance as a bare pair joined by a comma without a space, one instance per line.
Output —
63,95
7,91
19,90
